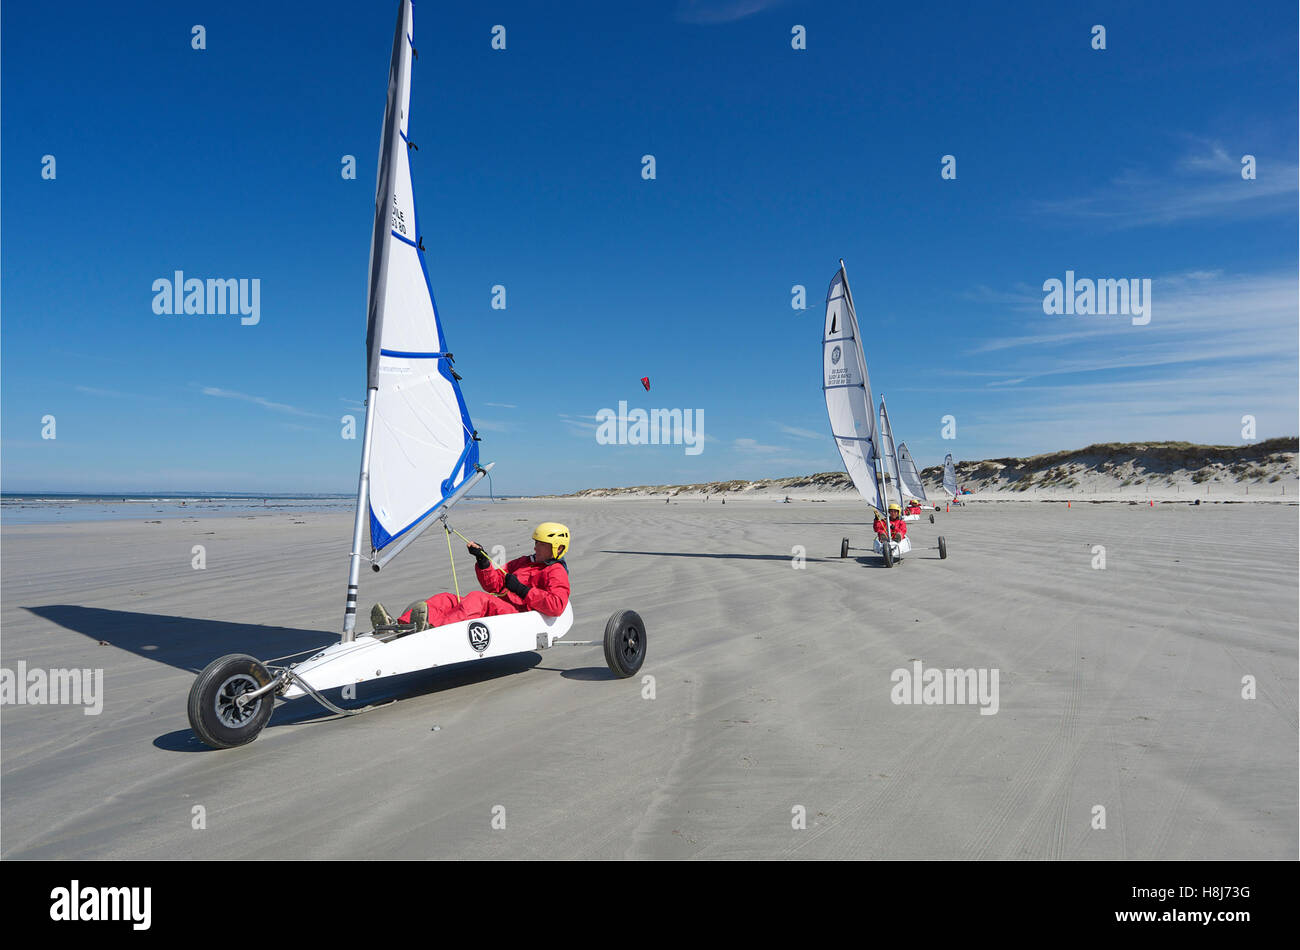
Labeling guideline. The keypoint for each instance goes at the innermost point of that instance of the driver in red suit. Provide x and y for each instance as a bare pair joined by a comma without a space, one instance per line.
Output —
538,581
898,528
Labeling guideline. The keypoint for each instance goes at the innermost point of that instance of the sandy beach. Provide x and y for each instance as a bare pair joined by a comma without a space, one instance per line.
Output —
1119,687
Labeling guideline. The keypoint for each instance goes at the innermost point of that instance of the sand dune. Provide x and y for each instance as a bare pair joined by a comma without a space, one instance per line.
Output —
1170,471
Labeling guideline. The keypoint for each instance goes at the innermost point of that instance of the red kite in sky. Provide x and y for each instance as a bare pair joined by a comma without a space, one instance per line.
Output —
645,381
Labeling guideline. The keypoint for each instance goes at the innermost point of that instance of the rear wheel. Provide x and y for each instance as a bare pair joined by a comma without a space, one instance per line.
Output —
943,547
216,715
625,643
844,548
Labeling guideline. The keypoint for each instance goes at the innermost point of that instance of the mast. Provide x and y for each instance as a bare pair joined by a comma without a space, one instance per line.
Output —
890,454
420,451
359,523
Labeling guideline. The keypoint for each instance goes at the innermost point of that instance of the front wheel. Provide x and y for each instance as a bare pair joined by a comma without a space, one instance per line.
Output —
943,548
844,548
887,550
932,518
625,643
216,715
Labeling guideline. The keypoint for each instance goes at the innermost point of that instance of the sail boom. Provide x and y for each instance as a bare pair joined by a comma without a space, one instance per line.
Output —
437,514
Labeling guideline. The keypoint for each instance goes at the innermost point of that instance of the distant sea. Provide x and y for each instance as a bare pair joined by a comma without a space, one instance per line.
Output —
51,506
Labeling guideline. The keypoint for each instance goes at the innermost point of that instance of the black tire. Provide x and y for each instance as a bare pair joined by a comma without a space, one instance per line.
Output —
625,643
943,548
888,552
213,714
844,548
932,517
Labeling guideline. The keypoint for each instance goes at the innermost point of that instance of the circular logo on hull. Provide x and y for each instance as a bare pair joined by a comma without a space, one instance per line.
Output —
835,356
479,636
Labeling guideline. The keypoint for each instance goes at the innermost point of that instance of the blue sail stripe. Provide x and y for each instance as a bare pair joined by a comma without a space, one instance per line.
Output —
380,538
468,462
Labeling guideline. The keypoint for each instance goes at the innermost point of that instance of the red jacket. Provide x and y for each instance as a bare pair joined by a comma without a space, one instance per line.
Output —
548,585
896,524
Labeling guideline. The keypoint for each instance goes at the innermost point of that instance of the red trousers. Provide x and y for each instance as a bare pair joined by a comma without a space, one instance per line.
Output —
443,608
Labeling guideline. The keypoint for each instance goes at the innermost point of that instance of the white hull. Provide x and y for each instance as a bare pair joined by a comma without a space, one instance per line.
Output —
366,658
911,518
899,547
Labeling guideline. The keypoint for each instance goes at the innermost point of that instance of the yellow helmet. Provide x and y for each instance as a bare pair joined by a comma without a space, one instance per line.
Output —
895,508
554,534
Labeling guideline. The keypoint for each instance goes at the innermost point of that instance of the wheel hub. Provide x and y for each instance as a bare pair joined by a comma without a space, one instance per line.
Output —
230,711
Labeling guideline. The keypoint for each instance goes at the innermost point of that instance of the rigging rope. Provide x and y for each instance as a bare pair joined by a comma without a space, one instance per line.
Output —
448,529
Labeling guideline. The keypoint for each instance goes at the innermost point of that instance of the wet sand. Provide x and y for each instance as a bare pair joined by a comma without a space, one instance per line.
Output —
1118,687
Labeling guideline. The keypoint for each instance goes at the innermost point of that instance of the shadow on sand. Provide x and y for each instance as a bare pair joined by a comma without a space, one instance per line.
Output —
785,558
373,693
187,643
191,644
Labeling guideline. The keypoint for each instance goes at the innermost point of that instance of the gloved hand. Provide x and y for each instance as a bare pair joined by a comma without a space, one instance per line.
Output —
480,556
516,586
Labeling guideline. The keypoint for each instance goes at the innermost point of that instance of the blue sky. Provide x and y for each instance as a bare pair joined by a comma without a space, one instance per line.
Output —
771,164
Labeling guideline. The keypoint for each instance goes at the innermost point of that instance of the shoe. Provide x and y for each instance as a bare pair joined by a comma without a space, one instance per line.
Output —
379,617
419,615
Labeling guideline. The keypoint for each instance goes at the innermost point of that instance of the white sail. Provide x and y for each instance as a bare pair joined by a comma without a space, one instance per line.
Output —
909,475
423,446
889,458
848,390
949,476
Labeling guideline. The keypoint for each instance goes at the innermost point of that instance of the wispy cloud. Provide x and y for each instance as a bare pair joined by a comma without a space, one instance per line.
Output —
101,392
501,405
261,401
1020,297
1207,408
578,424
1196,316
721,11
801,433
753,446
1204,183
1219,346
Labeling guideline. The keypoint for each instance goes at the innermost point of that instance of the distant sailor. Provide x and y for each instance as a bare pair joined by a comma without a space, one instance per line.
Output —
913,507
537,581
898,528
